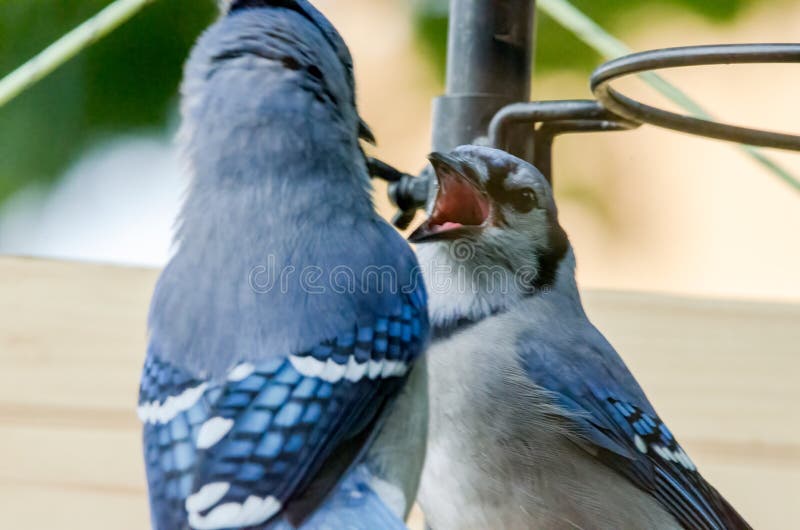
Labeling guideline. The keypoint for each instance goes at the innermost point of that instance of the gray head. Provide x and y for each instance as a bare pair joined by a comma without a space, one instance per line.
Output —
270,133
268,106
307,11
496,209
261,80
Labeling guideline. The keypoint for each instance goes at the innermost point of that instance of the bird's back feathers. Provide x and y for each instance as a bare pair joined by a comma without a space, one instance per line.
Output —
289,316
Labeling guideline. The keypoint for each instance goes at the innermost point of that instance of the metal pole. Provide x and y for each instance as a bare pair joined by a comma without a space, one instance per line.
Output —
489,62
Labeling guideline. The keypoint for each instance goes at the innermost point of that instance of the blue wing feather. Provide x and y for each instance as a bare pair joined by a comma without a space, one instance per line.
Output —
608,409
267,431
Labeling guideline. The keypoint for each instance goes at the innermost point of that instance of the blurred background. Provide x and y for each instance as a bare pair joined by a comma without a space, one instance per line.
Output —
88,169
89,172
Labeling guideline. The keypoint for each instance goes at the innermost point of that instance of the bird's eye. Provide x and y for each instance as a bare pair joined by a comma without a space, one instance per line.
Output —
524,200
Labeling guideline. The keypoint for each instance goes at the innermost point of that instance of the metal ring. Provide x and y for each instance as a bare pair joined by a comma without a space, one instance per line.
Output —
636,111
534,112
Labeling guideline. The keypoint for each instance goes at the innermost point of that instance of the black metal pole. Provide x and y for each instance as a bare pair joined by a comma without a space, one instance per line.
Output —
489,61
489,64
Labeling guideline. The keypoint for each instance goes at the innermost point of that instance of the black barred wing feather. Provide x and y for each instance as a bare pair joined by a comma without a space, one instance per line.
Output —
605,408
238,453
673,478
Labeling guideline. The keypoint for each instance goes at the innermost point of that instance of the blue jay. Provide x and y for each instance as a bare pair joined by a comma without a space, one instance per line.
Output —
536,422
282,380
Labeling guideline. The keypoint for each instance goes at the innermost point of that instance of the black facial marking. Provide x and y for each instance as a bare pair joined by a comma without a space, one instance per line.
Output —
524,200
551,259
314,70
497,191
521,199
497,176
291,63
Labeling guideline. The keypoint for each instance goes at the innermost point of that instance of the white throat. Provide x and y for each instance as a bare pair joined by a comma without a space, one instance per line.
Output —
463,290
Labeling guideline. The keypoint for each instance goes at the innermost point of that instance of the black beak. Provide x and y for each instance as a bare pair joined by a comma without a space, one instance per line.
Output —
462,206
443,159
365,133
446,165
442,163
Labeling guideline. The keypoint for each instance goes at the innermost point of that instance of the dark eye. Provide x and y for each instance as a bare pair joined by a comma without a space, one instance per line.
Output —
523,200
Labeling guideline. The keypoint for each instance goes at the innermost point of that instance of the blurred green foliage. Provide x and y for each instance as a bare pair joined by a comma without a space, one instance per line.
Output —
125,82
128,81
556,47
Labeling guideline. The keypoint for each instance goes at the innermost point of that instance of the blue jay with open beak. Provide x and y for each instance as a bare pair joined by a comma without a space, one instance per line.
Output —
535,421
283,364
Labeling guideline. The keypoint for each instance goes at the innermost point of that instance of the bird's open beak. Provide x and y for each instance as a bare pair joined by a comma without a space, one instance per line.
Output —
365,133
462,206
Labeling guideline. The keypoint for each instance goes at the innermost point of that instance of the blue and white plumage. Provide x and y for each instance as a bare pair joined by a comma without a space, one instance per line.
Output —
280,388
536,422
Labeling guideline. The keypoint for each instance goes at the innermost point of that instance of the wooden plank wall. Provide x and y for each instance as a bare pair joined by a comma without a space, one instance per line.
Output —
724,375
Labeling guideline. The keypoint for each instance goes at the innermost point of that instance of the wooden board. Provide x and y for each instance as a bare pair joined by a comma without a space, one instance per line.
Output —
725,376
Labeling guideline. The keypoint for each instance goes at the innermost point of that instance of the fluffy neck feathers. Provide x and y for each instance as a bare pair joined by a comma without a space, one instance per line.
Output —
460,294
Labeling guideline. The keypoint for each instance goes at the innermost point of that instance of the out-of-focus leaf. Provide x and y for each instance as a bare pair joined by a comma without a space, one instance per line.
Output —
127,80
